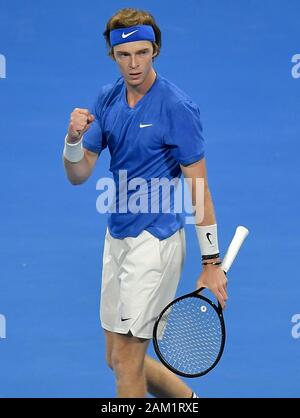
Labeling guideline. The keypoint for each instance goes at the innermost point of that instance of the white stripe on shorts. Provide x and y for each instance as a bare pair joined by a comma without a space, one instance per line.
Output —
139,278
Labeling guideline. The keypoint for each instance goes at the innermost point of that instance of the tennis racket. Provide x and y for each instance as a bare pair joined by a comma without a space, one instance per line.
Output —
189,334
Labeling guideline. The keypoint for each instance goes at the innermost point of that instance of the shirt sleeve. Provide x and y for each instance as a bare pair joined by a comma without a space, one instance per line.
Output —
94,139
184,136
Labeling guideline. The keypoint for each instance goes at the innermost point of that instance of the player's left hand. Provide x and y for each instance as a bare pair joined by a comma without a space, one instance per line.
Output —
214,279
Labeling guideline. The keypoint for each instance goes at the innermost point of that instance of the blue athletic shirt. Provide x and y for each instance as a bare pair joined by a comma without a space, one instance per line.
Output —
150,140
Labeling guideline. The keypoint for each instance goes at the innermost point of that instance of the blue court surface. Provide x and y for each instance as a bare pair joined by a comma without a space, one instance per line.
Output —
239,61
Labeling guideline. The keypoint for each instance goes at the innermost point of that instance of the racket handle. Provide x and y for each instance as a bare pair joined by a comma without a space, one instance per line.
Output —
240,235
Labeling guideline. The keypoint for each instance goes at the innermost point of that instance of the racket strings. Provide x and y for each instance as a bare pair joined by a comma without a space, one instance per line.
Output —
190,335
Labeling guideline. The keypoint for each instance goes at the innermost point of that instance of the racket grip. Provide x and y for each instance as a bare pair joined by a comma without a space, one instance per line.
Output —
240,235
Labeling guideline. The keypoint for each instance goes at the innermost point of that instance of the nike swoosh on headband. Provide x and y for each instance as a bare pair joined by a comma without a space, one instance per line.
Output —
125,35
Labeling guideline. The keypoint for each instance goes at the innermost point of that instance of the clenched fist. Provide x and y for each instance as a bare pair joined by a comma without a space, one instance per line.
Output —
80,122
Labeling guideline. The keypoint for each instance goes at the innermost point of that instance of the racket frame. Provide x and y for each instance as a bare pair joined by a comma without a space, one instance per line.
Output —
218,310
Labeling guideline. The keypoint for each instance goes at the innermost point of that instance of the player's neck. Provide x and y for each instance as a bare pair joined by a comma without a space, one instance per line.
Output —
135,93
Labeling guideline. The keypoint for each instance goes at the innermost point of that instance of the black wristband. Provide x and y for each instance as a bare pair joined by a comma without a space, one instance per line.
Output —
218,263
210,257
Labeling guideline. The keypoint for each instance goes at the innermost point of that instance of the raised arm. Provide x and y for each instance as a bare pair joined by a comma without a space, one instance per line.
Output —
78,161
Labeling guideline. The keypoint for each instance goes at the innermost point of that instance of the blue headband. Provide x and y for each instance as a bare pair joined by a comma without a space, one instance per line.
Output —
132,34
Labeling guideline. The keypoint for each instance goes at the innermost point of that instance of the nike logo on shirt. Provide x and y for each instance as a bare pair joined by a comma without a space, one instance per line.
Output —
145,125
125,35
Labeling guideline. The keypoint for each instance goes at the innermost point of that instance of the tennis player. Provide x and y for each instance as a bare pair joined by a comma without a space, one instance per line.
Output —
152,130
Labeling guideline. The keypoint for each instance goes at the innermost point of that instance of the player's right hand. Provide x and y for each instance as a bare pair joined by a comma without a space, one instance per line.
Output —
213,278
80,122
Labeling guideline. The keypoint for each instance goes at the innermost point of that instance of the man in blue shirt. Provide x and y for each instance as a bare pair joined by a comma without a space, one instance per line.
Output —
153,131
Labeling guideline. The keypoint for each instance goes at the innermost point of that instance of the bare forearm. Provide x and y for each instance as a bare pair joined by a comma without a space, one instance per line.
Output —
77,173
208,214
200,193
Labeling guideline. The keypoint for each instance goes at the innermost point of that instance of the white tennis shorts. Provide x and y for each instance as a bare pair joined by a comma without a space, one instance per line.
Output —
139,278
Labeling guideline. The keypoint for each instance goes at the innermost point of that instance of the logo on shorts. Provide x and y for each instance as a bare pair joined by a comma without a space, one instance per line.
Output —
125,319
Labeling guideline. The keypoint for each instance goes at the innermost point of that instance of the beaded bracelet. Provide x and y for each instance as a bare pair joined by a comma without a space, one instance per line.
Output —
217,263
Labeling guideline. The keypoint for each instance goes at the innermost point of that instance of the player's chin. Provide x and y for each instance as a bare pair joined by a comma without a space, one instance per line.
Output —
135,81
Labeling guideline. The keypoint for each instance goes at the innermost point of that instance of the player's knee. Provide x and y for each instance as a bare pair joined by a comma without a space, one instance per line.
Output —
117,361
125,364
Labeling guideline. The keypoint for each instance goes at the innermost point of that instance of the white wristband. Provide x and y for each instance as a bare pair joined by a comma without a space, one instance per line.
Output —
73,152
208,239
